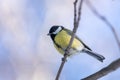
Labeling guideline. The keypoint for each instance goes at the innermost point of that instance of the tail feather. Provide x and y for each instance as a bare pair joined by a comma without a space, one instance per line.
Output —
95,55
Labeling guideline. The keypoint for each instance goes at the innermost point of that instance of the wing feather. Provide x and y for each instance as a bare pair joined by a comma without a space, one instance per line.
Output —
70,33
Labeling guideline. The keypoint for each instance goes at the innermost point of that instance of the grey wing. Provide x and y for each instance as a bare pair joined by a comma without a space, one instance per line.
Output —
70,33
84,44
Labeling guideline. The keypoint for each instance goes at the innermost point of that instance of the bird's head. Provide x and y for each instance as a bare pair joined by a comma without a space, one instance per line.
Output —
54,30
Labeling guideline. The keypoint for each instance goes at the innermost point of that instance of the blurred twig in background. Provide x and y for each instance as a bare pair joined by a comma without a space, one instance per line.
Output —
114,65
77,17
104,19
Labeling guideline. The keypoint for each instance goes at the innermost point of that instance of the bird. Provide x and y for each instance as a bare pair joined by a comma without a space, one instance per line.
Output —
61,37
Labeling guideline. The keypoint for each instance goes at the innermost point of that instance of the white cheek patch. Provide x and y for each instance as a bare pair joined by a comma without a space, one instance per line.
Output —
58,30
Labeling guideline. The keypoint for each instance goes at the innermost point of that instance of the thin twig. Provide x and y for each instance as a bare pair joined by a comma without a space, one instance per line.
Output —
75,12
110,68
105,20
79,12
76,23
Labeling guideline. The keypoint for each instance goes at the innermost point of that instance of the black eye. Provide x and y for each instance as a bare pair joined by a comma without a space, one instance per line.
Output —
53,29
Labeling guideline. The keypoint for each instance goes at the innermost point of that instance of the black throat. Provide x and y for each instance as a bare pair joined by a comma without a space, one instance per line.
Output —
52,36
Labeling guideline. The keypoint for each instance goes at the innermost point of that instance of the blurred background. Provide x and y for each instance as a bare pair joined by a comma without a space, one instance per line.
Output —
27,53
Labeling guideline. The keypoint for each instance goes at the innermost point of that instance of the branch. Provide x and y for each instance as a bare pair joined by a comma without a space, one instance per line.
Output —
79,12
76,24
110,68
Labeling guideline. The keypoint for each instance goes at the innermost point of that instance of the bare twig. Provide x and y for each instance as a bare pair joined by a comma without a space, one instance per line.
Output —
105,20
75,12
79,12
76,23
110,68
114,65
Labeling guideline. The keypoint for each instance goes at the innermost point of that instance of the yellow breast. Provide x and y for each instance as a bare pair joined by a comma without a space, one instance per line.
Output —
63,39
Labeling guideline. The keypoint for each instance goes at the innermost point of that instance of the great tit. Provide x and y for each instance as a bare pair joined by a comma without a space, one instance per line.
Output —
61,38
